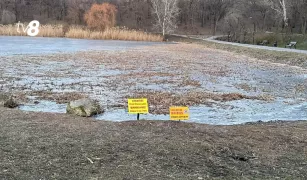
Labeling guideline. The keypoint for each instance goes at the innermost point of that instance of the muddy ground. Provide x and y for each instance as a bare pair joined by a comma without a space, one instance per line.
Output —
55,146
215,84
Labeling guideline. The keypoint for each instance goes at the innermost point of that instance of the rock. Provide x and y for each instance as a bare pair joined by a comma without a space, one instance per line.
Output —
84,108
10,103
6,100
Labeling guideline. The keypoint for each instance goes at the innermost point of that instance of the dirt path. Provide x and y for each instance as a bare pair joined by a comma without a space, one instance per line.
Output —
53,146
278,49
212,39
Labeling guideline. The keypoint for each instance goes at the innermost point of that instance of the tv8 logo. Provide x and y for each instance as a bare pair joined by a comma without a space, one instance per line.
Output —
32,29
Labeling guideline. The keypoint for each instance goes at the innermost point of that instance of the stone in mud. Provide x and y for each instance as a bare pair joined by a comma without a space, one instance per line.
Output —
84,108
10,103
6,100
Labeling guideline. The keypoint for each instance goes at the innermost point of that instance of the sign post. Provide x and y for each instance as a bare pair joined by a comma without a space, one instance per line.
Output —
179,113
138,116
138,106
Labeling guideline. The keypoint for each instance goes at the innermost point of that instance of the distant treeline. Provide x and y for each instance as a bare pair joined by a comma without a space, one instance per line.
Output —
195,16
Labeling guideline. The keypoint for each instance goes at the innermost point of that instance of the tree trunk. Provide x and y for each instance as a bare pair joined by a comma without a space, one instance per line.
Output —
284,8
203,17
214,27
163,29
304,25
203,21
264,22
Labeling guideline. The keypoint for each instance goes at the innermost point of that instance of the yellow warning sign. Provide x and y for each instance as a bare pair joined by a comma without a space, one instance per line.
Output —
138,106
179,113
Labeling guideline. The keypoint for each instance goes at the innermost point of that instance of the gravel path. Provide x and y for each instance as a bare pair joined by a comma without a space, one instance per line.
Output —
213,39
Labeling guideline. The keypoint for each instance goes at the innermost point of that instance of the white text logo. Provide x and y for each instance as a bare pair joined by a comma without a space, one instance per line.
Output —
31,29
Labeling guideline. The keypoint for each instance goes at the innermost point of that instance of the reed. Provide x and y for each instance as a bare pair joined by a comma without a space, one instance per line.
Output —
112,34
81,32
9,30
44,31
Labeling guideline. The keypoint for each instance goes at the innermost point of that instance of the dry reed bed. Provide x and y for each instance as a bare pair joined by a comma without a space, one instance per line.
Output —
113,34
44,31
161,101
80,32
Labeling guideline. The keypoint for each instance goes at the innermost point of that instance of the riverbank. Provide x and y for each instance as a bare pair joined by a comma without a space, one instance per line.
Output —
288,58
53,146
282,39
81,32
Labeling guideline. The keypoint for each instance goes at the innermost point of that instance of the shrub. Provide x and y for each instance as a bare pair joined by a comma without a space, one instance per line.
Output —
101,16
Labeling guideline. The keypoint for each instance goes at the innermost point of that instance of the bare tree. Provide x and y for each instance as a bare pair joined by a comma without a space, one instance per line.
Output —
300,14
217,10
75,12
280,7
8,17
191,16
166,12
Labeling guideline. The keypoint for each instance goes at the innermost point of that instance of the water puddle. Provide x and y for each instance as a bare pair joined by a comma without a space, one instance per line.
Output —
44,106
229,113
118,115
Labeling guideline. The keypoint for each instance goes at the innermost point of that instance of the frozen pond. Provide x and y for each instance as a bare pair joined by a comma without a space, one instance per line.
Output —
18,45
178,75
242,111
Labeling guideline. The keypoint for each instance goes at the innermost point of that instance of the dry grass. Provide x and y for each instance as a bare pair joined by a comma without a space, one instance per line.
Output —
61,98
51,31
112,34
44,31
52,146
84,33
9,30
161,101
